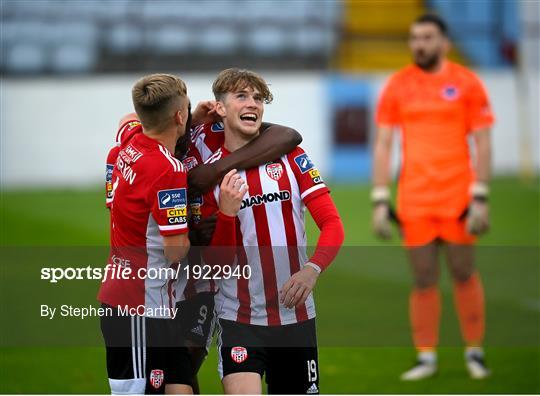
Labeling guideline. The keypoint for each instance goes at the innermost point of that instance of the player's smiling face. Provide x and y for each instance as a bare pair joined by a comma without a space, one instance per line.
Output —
242,111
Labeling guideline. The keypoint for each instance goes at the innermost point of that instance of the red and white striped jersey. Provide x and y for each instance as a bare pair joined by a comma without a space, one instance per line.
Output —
205,140
271,239
149,200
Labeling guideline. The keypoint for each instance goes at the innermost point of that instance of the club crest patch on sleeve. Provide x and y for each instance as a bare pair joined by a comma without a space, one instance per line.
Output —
172,199
304,163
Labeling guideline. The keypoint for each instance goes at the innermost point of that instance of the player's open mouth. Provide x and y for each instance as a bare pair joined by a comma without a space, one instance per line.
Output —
250,117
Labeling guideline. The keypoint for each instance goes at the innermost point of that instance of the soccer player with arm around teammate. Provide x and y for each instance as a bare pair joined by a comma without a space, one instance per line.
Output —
442,200
266,314
149,232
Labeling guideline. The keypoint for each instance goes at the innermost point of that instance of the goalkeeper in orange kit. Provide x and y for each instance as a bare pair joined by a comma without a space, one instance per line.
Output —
442,202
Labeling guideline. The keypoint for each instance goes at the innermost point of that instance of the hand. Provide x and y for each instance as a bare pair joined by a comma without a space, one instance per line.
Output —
478,218
204,113
202,178
296,290
232,190
205,230
381,221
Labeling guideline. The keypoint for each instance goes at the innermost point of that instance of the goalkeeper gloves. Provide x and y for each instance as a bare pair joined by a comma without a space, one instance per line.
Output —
478,214
380,197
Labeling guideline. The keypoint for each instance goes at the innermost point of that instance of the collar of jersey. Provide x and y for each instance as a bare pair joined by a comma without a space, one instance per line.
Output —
224,151
147,141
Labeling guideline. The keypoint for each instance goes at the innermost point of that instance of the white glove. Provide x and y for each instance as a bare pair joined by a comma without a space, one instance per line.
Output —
381,221
478,217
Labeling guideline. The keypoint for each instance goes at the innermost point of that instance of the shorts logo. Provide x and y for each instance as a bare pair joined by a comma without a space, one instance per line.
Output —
304,163
239,354
156,378
172,199
450,92
217,127
190,163
274,171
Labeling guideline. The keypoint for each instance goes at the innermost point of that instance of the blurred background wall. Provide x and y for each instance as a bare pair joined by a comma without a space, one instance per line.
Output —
68,67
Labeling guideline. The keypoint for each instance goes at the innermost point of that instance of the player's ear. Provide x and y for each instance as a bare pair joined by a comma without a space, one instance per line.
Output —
178,119
447,45
220,109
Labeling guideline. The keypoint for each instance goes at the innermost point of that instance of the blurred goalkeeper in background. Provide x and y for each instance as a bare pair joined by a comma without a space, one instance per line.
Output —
442,196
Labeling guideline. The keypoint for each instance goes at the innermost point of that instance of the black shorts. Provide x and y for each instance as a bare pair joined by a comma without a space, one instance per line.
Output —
196,319
286,355
143,354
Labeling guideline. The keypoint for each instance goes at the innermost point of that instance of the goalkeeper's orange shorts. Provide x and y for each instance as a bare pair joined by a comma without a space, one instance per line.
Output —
419,232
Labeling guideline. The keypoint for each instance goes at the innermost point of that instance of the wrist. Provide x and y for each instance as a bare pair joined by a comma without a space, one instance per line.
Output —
380,195
227,216
313,267
479,191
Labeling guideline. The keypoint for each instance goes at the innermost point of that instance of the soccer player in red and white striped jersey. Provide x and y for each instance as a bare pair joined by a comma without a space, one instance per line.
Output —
266,313
197,298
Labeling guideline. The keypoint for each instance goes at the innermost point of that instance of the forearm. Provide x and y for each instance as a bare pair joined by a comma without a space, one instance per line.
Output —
176,247
483,155
274,142
332,235
381,157
222,248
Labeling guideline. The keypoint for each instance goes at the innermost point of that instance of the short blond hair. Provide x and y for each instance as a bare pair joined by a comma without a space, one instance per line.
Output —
234,80
156,98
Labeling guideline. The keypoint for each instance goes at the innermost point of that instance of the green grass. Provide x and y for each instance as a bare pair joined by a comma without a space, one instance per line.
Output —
363,329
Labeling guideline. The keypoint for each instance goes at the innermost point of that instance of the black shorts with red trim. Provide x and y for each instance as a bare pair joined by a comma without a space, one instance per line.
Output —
143,354
285,355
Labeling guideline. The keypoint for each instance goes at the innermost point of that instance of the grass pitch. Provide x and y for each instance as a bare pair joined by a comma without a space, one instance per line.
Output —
361,300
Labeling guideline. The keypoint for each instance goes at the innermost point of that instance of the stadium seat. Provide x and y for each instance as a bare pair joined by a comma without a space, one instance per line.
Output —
267,40
124,38
169,40
313,40
116,11
73,58
25,58
217,40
